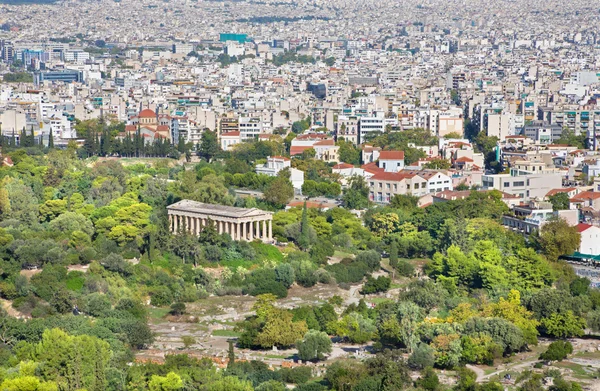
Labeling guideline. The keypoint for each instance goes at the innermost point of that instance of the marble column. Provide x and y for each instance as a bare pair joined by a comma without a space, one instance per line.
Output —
264,230
270,230
251,234
176,223
170,223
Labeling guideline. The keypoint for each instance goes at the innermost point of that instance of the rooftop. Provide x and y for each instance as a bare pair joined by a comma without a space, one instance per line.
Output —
215,210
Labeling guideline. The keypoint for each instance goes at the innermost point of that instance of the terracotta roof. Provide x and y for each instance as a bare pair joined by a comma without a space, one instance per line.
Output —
147,113
230,134
279,158
392,176
341,166
464,159
556,191
299,149
391,155
583,227
311,136
372,168
586,196
325,142
162,128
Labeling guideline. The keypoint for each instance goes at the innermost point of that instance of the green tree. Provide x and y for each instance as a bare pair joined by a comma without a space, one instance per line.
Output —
279,192
356,195
209,146
557,238
437,164
314,346
280,330
304,239
559,201
348,153
563,325
557,351
171,382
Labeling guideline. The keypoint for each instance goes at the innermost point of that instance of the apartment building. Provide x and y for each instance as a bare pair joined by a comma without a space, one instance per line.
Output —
383,186
529,186
542,132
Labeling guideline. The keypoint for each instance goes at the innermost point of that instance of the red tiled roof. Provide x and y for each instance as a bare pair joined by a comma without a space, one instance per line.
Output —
230,134
583,227
162,128
391,155
147,113
464,159
556,191
341,166
311,136
392,176
325,142
372,168
586,196
299,149
280,158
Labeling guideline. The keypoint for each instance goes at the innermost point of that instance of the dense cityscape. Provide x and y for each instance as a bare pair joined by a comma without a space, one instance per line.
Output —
240,195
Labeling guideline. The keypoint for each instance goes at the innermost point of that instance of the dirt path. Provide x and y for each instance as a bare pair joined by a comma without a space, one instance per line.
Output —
7,306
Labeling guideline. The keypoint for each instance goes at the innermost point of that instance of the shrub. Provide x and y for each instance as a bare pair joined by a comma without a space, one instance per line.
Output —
422,357
297,375
177,309
405,268
557,351
161,296
375,285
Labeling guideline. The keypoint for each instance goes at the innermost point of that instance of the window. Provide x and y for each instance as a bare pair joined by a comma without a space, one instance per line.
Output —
506,184
416,185
372,184
380,185
387,186
395,187
519,184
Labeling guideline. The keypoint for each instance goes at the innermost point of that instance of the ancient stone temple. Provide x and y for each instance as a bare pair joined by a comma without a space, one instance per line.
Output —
239,223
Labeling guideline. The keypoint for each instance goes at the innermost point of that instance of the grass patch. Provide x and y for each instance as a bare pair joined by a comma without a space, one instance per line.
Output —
380,300
578,370
75,281
342,254
225,333
276,356
157,315
235,263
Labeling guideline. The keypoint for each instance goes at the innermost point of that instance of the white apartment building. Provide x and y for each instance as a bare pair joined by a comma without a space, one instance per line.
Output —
529,186
250,127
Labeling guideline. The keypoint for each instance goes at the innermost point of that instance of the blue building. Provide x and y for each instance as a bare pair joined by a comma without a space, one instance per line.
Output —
241,38
66,76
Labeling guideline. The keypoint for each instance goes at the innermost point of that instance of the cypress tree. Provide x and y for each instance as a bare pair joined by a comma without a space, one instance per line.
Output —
50,140
304,240
394,254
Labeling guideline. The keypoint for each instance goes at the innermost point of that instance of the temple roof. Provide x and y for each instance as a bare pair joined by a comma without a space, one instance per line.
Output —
216,210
